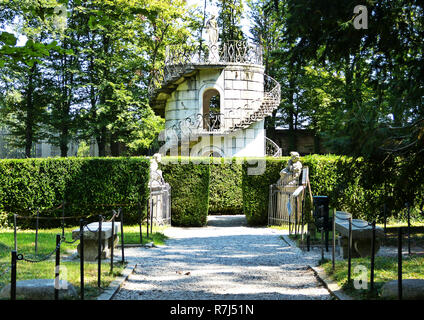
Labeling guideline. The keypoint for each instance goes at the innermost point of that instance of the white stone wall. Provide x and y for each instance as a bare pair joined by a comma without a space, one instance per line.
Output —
241,89
241,143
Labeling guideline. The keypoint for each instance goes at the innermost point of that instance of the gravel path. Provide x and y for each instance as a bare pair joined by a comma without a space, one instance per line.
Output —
225,260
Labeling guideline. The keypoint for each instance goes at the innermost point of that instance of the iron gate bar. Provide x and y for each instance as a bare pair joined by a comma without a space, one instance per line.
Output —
82,258
57,268
99,253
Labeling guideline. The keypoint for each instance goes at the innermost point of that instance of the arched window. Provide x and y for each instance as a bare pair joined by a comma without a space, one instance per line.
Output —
211,110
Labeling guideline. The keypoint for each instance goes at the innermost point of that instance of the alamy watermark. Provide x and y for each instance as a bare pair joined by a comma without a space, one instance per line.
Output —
360,21
360,281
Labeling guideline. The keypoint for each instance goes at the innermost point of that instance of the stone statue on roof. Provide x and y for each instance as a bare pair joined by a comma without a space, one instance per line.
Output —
212,30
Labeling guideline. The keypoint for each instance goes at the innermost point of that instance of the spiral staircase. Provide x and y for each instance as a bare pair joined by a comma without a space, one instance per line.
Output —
182,64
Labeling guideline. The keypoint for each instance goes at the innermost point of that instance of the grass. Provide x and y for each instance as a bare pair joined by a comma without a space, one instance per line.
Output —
47,243
385,270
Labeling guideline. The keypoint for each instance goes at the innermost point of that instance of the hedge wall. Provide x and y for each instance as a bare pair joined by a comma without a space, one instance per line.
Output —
88,185
189,190
351,185
225,187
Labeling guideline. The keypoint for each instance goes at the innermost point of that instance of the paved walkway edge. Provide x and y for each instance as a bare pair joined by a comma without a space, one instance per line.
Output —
322,276
116,284
331,286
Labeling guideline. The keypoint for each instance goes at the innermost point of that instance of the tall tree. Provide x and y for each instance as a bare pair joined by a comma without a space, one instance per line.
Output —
23,95
229,18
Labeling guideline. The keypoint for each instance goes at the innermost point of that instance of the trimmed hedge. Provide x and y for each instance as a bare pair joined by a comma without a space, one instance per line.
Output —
199,187
87,185
189,190
225,187
352,185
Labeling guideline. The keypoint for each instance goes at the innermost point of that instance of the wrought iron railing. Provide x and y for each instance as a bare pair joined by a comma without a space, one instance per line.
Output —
253,111
181,58
272,149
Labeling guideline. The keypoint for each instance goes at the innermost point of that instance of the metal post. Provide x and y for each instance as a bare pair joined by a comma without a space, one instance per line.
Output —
14,233
148,215
99,253
57,268
82,258
302,218
334,240
349,252
308,242
122,234
295,217
140,215
385,218
409,227
372,256
63,219
13,276
325,228
151,220
400,263
36,232
113,244
322,244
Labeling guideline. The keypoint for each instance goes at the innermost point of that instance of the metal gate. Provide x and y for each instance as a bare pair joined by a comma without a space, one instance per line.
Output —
286,204
160,204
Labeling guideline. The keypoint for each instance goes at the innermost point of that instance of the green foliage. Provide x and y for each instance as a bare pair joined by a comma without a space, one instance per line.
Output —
189,190
256,190
352,185
225,187
229,20
88,186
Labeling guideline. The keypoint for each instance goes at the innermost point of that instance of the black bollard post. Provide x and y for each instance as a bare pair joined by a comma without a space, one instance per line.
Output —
140,215
308,242
63,219
14,233
409,227
385,219
295,217
122,235
322,244
36,232
148,217
349,252
99,253
372,256
113,244
57,268
151,223
400,263
13,276
334,241
82,258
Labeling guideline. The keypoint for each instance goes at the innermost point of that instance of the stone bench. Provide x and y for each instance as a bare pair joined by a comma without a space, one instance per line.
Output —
361,236
91,239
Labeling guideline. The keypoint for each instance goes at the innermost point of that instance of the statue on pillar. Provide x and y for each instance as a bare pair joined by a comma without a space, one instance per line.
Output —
156,179
291,173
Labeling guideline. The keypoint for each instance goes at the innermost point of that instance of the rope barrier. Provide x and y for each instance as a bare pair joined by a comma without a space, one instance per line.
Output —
22,257
50,218
72,242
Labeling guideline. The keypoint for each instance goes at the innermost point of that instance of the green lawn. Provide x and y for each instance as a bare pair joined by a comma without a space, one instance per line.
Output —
385,270
47,243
